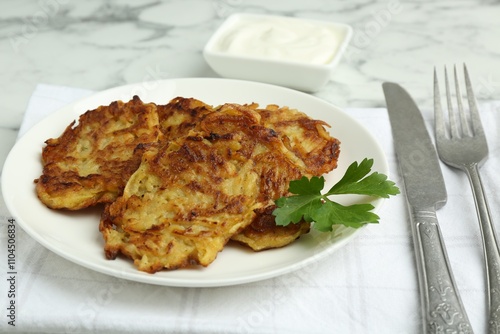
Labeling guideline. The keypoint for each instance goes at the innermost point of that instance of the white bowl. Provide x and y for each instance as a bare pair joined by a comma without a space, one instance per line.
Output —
287,51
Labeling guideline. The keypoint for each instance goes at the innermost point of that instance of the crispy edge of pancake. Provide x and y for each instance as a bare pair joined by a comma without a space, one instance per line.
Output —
263,233
92,160
181,115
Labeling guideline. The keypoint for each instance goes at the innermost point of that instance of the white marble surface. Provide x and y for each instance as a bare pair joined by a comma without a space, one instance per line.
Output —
99,44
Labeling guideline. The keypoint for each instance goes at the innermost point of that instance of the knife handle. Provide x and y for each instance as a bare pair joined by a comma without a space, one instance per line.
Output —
442,307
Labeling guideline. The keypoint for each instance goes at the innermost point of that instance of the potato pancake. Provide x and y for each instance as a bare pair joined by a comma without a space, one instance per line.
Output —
304,137
91,161
318,152
190,195
180,180
307,138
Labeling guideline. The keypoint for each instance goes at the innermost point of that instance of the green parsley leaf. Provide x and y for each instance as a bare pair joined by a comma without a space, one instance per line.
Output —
309,204
332,213
355,182
292,209
306,186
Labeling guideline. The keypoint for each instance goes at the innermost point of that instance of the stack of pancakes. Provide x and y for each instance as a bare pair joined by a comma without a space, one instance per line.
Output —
178,181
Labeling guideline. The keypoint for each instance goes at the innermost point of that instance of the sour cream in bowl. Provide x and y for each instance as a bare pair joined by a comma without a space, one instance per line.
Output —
287,51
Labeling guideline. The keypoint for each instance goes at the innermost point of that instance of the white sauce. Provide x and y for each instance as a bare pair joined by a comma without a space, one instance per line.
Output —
282,39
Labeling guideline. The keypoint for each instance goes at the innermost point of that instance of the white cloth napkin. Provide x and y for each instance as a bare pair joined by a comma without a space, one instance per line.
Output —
368,286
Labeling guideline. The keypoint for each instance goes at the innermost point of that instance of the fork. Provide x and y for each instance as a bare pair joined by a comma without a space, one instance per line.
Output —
463,145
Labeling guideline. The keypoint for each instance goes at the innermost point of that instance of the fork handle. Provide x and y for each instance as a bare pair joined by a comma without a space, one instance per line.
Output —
490,247
442,308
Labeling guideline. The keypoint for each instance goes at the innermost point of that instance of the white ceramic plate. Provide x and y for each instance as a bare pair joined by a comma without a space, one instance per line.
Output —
75,236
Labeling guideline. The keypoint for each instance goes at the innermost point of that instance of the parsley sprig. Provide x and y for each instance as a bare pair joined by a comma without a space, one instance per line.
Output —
309,204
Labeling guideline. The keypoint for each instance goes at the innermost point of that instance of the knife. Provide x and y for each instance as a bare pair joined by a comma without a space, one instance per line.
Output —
442,308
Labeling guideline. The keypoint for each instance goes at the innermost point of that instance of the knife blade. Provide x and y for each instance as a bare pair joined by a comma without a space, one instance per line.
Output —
441,305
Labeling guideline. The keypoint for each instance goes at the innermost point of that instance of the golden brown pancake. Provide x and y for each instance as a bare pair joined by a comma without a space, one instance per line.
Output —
92,160
182,179
307,138
317,152
190,195
304,137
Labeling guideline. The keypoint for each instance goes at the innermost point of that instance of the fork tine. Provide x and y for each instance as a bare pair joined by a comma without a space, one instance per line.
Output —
451,115
463,119
439,126
477,127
